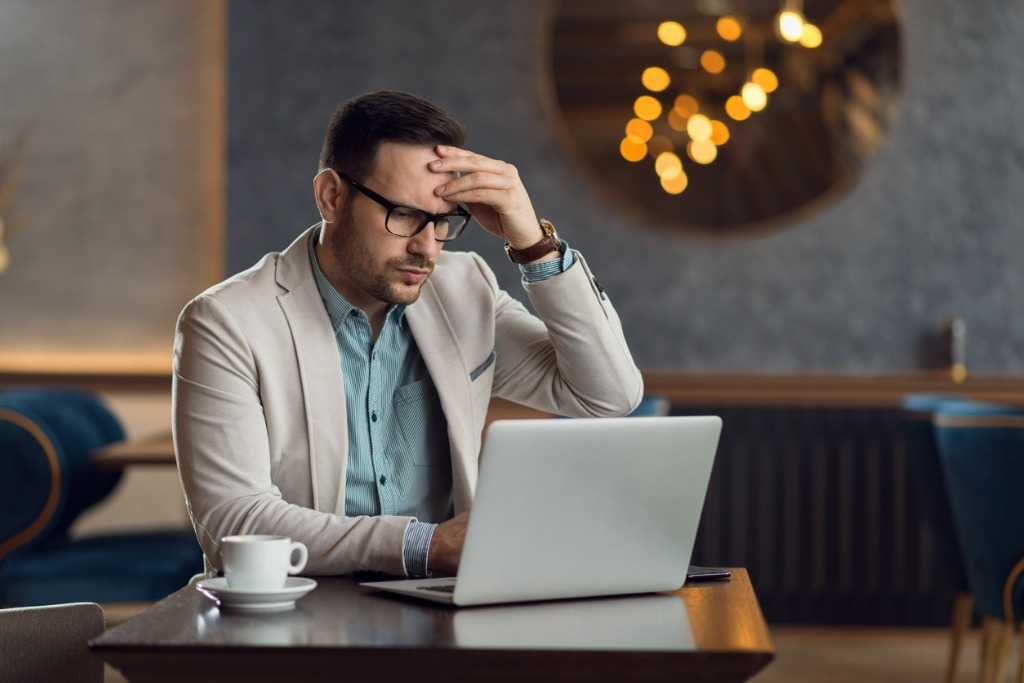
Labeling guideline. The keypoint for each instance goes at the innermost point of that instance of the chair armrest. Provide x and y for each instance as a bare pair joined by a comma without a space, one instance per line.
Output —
1011,581
33,437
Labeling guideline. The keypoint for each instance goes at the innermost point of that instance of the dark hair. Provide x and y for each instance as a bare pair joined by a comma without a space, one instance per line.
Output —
360,125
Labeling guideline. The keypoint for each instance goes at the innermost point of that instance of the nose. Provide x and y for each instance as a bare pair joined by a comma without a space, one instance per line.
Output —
425,240
424,243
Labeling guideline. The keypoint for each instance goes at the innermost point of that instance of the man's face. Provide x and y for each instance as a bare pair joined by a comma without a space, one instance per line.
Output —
372,266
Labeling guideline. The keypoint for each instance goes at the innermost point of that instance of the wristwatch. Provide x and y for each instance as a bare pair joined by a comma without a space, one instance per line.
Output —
548,244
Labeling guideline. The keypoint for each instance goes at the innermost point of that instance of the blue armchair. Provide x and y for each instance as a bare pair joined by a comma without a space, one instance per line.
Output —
982,455
652,405
46,481
926,474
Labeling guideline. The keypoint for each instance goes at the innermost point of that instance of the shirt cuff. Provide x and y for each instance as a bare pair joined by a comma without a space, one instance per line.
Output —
540,271
415,547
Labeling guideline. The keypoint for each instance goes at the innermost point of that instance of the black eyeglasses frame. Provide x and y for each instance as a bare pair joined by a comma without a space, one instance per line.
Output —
460,211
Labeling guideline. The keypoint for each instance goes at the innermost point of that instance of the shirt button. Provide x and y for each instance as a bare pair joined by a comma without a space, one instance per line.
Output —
383,480
373,417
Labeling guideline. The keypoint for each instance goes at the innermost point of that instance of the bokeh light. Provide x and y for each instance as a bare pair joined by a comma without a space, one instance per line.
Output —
676,184
754,96
671,33
729,27
665,161
655,78
658,145
810,36
632,149
736,110
765,78
647,108
712,61
702,151
699,127
790,25
639,129
719,133
686,105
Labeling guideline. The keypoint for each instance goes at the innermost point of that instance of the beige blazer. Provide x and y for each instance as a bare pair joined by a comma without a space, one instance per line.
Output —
259,403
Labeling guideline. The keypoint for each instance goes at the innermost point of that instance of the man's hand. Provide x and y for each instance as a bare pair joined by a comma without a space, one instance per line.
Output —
493,192
446,545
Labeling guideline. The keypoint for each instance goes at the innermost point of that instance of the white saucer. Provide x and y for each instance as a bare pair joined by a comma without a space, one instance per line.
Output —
248,600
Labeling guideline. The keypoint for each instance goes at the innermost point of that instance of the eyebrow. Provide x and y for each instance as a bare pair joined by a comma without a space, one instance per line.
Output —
362,186
447,212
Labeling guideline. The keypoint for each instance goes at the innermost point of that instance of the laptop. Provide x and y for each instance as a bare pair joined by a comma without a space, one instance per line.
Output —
572,508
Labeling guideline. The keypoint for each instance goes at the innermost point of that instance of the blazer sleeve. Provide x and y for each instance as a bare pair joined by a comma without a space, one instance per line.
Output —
236,477
572,358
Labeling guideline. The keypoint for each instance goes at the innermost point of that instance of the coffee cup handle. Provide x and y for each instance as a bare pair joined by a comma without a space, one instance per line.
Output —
300,563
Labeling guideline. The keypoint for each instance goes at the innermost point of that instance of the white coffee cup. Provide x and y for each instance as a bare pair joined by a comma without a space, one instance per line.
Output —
260,562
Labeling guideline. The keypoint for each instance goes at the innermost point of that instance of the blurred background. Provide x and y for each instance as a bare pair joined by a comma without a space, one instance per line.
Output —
171,143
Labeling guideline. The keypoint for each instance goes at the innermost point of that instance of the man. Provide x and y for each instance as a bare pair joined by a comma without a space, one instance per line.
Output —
336,392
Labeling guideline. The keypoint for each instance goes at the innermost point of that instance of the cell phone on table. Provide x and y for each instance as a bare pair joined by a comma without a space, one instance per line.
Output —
695,573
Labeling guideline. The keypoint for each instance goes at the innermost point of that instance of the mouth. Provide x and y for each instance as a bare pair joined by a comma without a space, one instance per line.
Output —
414,276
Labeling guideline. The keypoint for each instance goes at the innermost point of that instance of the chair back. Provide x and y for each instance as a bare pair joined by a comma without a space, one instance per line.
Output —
50,643
652,405
925,472
981,449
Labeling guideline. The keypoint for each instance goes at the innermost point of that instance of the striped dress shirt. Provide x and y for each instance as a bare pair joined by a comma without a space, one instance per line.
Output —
399,461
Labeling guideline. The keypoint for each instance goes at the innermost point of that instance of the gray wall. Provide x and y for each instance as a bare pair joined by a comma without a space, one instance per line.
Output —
932,229
123,103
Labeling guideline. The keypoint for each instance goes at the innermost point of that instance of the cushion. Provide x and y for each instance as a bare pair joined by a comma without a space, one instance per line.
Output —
123,567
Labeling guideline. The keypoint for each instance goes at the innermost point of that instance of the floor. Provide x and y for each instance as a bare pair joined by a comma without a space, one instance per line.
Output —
844,655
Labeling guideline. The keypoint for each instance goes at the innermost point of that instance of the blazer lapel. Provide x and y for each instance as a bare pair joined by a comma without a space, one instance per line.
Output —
442,353
323,390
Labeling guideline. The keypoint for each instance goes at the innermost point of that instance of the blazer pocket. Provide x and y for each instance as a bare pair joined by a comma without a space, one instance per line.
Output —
483,368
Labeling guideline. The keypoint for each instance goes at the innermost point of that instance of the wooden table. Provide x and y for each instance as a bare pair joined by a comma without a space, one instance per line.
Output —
156,450
342,631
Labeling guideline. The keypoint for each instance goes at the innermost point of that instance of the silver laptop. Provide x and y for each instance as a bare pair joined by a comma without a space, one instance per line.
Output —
570,508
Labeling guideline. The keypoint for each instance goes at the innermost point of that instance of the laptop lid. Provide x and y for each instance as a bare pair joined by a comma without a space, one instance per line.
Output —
579,507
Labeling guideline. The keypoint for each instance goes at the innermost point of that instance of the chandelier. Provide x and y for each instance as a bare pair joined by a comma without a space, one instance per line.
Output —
671,122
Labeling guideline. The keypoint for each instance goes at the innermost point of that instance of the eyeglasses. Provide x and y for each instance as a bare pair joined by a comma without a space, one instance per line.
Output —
406,221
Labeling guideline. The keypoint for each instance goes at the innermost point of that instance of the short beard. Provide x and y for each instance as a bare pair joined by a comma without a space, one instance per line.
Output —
353,261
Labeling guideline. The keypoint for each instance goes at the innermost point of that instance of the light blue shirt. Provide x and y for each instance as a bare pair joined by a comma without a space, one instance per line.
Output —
399,459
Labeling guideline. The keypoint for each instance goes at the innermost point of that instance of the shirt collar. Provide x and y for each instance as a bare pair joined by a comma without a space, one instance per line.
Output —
337,307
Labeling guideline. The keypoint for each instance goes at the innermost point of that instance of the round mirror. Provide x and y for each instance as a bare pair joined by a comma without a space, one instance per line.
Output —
724,115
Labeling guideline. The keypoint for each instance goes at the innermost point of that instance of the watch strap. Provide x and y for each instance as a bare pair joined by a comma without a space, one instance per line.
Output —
547,244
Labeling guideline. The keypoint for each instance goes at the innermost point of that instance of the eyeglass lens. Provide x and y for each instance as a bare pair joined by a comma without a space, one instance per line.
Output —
406,222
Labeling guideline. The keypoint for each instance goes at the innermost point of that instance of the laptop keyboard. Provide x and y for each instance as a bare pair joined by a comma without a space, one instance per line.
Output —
446,588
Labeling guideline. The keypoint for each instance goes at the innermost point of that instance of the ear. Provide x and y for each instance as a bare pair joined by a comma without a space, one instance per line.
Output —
330,194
